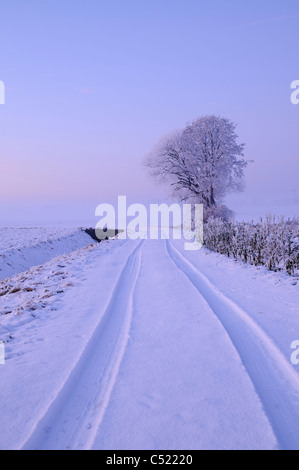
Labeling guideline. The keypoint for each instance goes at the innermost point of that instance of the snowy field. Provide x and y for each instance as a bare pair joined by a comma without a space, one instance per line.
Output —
19,237
142,345
24,247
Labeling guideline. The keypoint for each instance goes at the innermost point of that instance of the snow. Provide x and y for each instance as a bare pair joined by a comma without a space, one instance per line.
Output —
24,247
271,372
142,345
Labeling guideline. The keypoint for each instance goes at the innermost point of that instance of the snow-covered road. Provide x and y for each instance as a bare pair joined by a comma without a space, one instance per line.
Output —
151,347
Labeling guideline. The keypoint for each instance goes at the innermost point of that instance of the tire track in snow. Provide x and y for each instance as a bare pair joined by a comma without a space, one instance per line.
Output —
74,417
276,382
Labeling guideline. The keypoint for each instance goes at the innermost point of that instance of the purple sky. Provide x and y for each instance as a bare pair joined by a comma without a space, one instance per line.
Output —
92,85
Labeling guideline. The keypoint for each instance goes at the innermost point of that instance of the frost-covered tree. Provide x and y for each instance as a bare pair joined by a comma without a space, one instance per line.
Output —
202,162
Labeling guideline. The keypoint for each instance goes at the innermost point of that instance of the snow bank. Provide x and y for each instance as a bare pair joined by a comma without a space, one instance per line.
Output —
23,248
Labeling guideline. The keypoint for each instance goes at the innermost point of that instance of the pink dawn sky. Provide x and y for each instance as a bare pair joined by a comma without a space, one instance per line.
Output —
91,87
